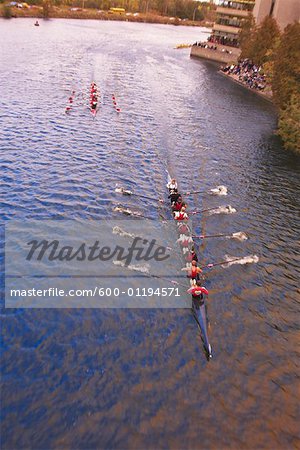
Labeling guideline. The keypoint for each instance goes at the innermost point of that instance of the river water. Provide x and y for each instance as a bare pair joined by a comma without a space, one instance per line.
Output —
138,379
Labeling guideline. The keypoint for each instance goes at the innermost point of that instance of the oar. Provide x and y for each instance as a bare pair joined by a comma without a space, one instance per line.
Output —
176,283
209,266
240,235
217,189
218,208
121,190
123,233
203,210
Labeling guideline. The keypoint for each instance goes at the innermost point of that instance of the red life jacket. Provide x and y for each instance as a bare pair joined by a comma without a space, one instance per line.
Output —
177,206
194,272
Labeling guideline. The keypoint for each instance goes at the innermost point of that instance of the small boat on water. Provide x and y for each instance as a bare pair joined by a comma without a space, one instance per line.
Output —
198,304
94,93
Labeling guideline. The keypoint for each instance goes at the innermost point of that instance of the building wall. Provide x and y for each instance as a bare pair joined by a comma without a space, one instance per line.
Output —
217,55
284,11
261,9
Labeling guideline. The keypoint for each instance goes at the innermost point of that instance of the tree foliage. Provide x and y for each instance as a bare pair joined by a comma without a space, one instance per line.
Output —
286,86
279,54
257,43
286,67
46,8
289,124
7,12
246,36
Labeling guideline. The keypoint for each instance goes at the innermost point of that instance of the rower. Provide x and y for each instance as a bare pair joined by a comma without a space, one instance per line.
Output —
185,240
181,215
183,228
192,255
197,291
178,204
94,105
194,272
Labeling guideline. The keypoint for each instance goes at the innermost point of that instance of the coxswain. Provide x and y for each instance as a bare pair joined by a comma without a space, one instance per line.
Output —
181,215
172,185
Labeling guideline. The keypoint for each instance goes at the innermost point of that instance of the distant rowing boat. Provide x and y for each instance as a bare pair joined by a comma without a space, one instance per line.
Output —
93,99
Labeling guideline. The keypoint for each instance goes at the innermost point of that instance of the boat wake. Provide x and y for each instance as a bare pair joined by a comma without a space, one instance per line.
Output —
240,236
219,190
142,269
127,211
123,233
251,259
223,210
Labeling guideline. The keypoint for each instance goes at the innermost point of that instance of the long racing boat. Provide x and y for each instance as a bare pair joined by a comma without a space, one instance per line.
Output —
198,304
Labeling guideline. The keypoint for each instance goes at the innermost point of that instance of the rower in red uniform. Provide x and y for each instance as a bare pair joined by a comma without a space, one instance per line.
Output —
185,240
183,228
192,256
194,272
181,215
197,291
178,204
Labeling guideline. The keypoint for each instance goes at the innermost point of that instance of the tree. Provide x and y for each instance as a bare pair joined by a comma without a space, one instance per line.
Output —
286,86
7,12
258,43
288,125
286,68
46,8
246,36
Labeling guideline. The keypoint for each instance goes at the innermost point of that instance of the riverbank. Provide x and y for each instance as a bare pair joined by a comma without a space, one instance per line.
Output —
36,12
267,94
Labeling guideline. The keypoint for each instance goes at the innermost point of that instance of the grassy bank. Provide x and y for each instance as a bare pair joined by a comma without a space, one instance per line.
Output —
63,12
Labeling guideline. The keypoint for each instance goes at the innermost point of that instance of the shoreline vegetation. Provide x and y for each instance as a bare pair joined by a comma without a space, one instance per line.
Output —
269,66
170,12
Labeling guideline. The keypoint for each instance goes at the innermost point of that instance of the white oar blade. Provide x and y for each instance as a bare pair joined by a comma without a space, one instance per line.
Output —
219,190
123,191
240,236
251,259
123,233
228,209
136,268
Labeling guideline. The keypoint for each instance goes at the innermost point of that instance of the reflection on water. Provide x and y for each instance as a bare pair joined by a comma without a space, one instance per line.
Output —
138,378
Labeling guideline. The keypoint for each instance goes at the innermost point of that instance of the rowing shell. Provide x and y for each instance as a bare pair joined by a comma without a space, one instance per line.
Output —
199,311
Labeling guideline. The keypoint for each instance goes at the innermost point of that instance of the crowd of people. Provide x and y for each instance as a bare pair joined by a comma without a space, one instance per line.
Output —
206,45
247,73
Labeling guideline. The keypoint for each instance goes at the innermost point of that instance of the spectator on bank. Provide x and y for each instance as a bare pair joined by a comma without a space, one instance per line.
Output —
247,73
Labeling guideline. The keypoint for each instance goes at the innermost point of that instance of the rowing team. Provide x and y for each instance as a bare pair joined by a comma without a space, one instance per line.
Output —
71,100
186,241
94,96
